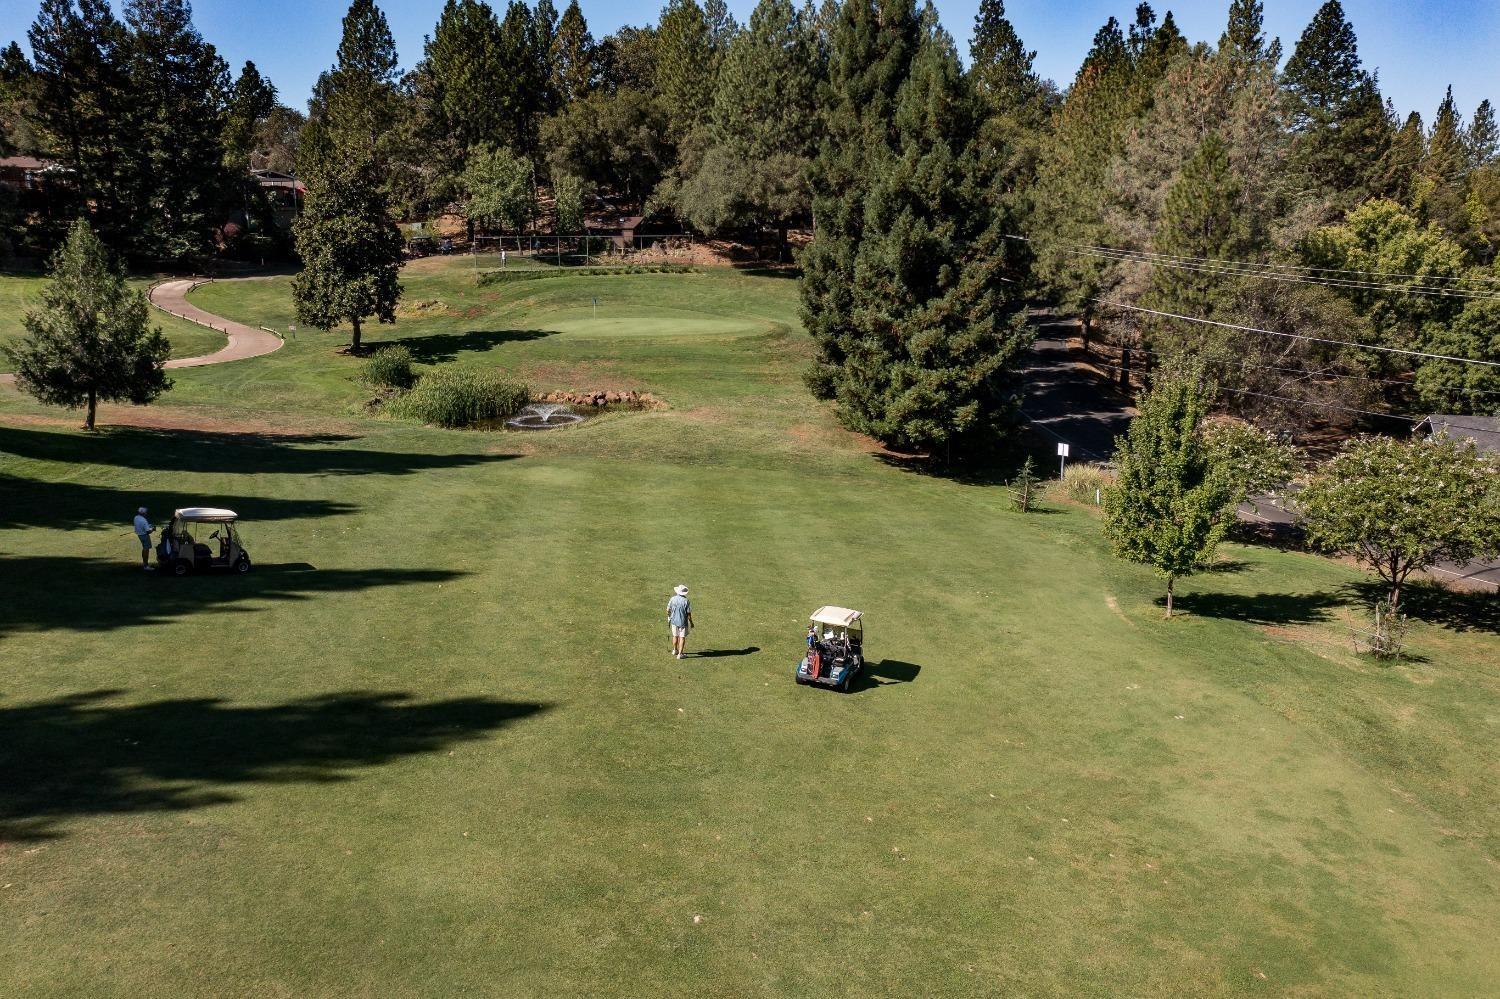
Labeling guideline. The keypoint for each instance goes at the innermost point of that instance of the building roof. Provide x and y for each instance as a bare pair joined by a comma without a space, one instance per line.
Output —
24,163
1484,431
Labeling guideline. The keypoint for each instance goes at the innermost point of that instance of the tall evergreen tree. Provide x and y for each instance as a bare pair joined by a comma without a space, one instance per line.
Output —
17,103
1483,139
1244,39
1203,217
351,252
469,81
1334,108
544,26
575,59
354,107
1443,176
251,102
90,341
1397,174
763,129
527,94
83,106
685,65
914,329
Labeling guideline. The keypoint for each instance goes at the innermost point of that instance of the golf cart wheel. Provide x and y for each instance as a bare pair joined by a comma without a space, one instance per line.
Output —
243,565
181,567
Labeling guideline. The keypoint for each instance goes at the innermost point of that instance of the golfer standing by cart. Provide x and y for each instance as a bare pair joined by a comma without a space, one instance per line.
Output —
679,619
143,531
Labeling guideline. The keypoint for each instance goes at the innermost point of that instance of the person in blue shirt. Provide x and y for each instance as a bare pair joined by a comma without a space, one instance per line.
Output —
679,619
143,530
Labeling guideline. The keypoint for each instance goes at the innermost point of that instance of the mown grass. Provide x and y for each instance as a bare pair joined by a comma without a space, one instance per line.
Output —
22,293
434,745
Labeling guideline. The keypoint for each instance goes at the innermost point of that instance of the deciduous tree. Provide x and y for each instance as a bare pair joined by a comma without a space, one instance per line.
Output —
1172,503
1402,506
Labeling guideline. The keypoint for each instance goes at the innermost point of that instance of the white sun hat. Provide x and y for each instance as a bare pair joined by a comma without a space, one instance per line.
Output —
680,589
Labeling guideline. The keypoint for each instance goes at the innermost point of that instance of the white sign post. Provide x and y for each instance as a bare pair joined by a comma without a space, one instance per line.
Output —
1062,459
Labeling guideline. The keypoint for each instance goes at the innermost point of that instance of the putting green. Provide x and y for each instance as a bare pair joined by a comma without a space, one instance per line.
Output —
434,744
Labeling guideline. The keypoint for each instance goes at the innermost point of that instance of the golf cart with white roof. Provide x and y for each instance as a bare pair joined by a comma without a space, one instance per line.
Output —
835,649
202,539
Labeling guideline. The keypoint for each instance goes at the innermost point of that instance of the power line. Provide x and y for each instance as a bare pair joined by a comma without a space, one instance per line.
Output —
1287,399
1287,268
1224,269
1298,336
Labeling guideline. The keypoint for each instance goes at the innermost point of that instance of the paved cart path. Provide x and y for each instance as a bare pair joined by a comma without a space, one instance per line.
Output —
244,341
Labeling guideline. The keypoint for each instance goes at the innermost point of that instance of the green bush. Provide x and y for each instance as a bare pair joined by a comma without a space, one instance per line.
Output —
461,397
390,367
1083,482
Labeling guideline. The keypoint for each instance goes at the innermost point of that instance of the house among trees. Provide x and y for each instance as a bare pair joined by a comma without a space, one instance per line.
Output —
1484,431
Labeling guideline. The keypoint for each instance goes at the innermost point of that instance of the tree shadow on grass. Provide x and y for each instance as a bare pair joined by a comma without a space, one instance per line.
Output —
749,650
884,674
1260,608
1434,603
241,453
82,755
434,348
107,594
81,506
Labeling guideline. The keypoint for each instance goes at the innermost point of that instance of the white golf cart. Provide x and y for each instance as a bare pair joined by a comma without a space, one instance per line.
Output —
202,539
835,649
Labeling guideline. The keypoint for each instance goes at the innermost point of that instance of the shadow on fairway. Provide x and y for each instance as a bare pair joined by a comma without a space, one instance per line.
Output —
80,506
884,674
721,653
106,594
436,347
82,755
242,453
1259,608
1456,610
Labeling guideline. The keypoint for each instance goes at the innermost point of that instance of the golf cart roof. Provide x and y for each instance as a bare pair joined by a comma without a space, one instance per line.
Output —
841,617
207,515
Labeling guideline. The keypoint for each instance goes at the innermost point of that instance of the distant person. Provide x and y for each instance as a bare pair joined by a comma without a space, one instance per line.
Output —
679,619
144,530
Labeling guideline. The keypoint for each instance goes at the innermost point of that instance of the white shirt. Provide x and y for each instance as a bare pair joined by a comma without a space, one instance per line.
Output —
142,526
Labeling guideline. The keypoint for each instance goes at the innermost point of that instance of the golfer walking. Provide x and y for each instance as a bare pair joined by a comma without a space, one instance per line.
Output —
679,619
143,531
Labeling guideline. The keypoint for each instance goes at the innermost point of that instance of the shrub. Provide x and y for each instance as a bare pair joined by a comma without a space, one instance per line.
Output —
461,397
1082,483
390,367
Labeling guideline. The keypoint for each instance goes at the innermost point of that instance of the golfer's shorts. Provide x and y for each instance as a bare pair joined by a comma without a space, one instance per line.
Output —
145,542
678,632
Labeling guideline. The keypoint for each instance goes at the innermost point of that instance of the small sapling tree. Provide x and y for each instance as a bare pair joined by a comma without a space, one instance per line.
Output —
1173,502
90,339
1401,506
1024,487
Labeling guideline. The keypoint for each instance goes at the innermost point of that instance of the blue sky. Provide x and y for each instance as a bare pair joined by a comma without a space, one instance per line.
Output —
1418,46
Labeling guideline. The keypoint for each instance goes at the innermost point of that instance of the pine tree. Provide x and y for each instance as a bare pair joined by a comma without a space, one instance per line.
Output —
1397,174
544,27
469,83
1334,109
354,107
1244,40
685,66
350,250
1483,140
1444,171
90,341
1172,504
83,107
526,95
917,351
575,59
17,103
1012,108
1203,217
251,102
762,132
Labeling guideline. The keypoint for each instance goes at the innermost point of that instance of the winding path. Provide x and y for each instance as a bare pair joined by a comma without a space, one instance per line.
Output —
244,341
